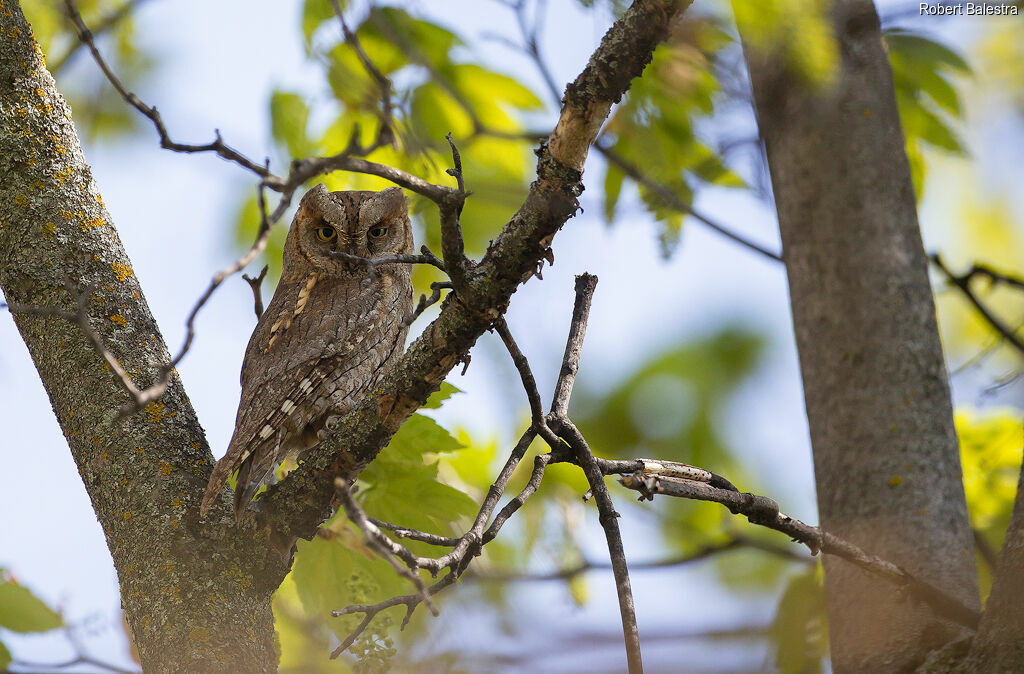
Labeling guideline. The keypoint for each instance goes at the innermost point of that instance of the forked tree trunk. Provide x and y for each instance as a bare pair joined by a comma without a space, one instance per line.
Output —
194,603
877,395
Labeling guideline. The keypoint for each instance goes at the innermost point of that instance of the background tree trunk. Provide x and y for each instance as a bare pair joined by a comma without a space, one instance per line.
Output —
999,646
196,599
878,404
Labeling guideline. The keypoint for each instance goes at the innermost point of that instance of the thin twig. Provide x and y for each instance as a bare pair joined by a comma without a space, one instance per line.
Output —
453,247
567,431
381,544
765,512
435,296
81,318
705,552
257,294
386,113
963,282
426,257
523,366
109,22
217,146
609,521
585,284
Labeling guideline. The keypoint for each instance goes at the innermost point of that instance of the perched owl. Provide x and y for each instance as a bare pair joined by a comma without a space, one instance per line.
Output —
326,337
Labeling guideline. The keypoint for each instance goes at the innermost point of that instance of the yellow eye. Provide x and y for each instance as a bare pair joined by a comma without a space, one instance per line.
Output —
325,233
378,232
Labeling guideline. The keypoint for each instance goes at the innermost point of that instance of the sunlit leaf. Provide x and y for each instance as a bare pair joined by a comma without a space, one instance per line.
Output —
991,449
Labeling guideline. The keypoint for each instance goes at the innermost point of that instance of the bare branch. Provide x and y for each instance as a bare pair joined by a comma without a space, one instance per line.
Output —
765,512
266,221
963,282
672,200
410,601
426,257
609,521
453,248
523,366
381,544
217,146
257,293
386,113
585,284
567,431
435,297
81,318
109,22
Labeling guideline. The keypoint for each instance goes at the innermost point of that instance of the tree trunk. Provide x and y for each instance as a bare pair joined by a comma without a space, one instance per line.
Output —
999,645
197,599
875,384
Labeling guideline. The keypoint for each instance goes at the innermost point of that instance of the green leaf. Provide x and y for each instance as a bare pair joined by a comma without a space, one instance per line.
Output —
800,627
289,117
924,49
613,179
5,656
314,13
21,611
439,396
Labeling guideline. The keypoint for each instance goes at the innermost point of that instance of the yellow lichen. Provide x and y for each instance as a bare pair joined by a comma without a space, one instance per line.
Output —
21,200
126,516
165,468
119,319
156,412
93,224
122,271
48,229
895,481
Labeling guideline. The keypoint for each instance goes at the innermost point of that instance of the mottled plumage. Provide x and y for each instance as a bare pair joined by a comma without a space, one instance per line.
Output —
326,337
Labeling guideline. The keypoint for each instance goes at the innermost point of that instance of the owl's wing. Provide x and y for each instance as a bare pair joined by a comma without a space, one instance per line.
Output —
283,409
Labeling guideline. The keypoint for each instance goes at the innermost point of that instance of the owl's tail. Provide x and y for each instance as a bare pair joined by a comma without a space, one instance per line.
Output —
251,462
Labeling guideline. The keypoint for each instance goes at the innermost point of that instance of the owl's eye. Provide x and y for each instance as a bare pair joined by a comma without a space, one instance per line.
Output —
325,233
378,232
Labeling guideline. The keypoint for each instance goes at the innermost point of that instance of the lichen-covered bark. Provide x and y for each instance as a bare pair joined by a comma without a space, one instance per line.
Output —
877,395
196,598
296,506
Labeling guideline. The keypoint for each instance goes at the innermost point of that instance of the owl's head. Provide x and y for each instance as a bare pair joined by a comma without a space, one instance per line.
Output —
366,224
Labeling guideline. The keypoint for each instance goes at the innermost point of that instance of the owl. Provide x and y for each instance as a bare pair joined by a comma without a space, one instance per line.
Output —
327,336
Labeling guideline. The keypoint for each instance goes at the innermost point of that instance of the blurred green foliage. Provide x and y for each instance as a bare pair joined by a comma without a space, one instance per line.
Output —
924,72
991,449
100,113
436,91
22,612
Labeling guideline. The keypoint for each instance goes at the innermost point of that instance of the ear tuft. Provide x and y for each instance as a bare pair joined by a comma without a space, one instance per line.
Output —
384,205
319,201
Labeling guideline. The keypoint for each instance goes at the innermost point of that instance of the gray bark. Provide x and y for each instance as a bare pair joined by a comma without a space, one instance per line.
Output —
196,599
999,644
877,396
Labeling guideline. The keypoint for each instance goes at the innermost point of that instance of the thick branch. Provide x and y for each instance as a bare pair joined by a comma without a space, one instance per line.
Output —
764,511
297,505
